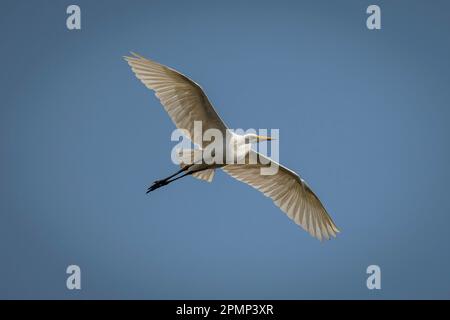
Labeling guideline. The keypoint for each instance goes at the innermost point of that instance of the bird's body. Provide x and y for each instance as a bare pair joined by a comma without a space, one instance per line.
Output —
186,104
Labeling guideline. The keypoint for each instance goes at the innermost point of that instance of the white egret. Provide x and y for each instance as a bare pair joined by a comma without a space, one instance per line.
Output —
185,102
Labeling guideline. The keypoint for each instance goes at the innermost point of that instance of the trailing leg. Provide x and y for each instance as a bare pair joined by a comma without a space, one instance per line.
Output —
171,176
166,181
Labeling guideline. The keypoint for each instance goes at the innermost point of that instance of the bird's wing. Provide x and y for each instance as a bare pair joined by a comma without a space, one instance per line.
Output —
289,192
182,98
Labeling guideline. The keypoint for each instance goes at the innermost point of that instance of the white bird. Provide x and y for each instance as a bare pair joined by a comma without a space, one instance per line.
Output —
185,102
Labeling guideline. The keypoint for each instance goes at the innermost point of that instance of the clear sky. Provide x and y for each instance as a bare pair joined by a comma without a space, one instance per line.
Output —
363,117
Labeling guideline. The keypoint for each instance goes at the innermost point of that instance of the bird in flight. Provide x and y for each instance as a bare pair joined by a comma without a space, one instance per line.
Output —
186,103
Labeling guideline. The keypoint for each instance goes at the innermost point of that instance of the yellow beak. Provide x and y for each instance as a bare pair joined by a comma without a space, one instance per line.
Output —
265,138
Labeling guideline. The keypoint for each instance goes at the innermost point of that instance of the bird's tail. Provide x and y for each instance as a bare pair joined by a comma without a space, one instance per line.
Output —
206,175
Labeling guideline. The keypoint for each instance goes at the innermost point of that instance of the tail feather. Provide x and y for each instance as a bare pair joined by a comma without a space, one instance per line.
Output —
206,175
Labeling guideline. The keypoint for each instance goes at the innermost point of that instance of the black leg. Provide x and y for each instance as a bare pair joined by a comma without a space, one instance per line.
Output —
167,181
157,182
171,176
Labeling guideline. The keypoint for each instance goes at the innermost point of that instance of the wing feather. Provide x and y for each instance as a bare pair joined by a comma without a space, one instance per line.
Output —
182,98
290,193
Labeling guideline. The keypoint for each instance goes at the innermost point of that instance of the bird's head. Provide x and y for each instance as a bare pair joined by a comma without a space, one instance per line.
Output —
254,138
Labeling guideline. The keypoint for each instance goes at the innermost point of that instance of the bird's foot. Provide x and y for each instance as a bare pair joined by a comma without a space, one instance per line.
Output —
157,184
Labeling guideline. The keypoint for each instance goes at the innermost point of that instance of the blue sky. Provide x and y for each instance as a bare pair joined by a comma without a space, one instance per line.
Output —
363,117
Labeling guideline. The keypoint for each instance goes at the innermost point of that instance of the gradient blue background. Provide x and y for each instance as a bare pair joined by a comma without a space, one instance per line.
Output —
363,117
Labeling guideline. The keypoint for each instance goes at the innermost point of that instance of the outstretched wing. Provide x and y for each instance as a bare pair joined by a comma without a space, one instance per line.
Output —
289,192
182,98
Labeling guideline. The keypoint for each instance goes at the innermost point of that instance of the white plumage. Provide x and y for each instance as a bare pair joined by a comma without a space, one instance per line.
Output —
185,102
